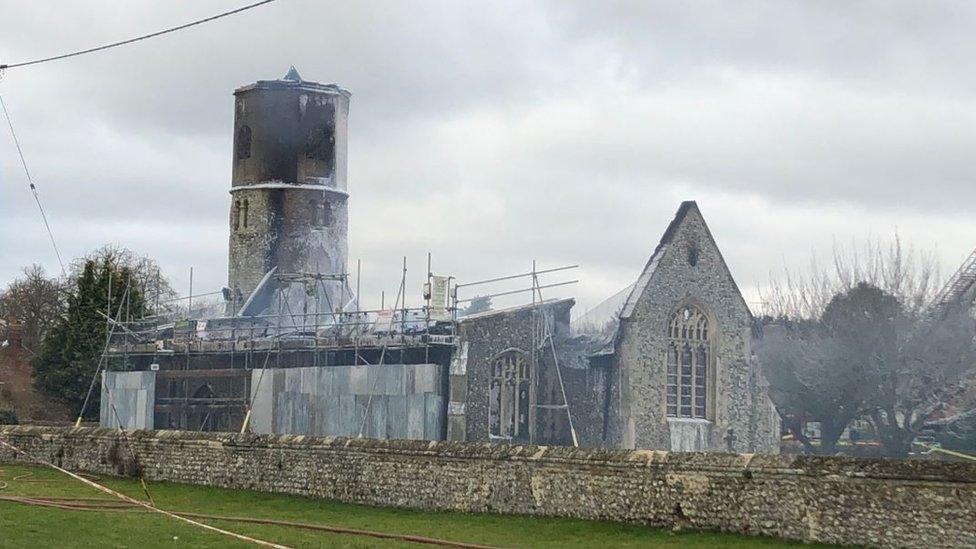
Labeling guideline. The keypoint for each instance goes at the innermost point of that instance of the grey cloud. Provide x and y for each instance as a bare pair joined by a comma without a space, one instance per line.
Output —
492,134
873,43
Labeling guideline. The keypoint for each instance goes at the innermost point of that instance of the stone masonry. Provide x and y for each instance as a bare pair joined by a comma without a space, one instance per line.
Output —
687,269
289,195
824,499
485,336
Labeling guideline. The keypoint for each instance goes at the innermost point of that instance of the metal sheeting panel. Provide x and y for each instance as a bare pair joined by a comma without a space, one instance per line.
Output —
384,401
262,402
133,395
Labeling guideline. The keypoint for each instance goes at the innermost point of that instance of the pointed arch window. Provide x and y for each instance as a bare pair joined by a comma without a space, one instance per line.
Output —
508,406
204,391
688,355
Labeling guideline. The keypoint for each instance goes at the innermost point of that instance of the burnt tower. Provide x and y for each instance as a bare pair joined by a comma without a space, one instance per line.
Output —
288,211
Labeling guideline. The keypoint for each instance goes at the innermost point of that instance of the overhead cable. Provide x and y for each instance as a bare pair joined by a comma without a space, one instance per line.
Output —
137,39
31,182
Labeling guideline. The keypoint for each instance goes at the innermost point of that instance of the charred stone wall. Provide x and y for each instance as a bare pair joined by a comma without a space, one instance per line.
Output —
290,131
586,384
485,337
289,194
200,400
832,500
298,229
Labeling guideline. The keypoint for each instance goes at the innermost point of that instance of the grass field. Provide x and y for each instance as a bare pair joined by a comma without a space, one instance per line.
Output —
36,527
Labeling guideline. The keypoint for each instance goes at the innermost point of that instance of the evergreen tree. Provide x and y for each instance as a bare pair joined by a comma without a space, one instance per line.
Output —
70,353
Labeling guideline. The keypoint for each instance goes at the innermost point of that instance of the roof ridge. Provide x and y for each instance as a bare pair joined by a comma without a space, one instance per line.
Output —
651,265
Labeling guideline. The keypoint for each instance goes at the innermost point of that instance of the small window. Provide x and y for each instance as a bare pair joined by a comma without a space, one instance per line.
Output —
244,213
242,146
236,215
693,254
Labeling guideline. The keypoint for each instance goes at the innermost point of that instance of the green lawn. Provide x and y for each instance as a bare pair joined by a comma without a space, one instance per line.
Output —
35,527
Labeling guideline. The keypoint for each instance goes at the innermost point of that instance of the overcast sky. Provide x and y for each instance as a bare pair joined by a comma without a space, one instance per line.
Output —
495,133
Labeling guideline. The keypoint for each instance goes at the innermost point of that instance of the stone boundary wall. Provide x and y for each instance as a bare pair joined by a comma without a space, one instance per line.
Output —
833,500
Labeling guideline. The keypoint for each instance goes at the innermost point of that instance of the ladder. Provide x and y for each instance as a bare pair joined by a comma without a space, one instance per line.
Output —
959,283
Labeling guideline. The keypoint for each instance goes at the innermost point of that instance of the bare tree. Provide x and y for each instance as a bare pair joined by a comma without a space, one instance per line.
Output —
809,380
146,274
35,302
933,356
911,276
862,340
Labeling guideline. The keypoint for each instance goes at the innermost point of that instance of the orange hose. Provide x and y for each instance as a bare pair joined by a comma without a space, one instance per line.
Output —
89,504
144,505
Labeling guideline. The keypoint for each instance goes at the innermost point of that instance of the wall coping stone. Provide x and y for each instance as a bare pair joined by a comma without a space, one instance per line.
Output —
732,464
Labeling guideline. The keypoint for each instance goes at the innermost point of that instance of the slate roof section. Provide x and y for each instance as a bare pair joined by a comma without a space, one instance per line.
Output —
293,81
645,278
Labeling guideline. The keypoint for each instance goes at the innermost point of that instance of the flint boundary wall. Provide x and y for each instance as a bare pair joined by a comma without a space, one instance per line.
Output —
832,500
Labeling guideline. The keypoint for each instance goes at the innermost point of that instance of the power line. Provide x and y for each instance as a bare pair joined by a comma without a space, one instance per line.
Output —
10,124
31,182
131,40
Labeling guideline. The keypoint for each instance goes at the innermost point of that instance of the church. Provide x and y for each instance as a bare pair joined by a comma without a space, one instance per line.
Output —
673,372
684,377
293,352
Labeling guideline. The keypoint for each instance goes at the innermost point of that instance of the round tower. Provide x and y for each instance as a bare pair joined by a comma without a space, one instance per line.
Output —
288,193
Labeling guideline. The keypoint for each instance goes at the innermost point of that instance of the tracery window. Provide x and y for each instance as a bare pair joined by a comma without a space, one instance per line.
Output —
508,407
688,354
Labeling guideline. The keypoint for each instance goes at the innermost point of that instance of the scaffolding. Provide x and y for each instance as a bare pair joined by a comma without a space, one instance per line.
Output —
542,337
959,285
302,317
314,319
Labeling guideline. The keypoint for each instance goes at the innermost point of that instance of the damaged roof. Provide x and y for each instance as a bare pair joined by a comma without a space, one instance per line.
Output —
509,310
652,263
293,80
